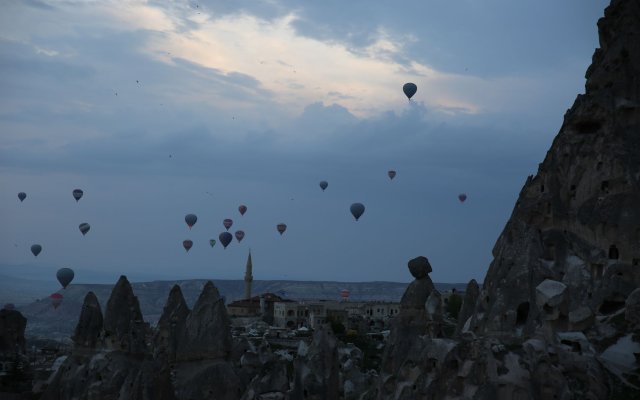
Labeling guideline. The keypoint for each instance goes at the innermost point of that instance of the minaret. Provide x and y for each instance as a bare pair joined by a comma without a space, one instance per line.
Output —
248,278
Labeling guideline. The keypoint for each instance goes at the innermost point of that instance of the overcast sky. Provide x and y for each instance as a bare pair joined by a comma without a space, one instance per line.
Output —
162,108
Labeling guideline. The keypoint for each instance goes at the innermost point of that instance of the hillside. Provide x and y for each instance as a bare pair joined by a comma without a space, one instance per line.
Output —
45,321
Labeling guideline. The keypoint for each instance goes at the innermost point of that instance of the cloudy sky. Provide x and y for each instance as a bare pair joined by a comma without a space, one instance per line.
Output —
157,109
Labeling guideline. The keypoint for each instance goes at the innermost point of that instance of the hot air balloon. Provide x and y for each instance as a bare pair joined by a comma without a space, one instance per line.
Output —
344,293
190,219
187,244
281,228
392,174
65,276
225,238
56,300
357,209
9,307
462,197
36,249
323,185
77,194
212,242
242,209
409,89
227,223
22,196
239,236
84,228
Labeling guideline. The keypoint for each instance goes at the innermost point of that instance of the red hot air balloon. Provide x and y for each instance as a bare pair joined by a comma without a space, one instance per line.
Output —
281,228
392,174
187,244
462,197
344,293
227,223
56,300
239,236
242,209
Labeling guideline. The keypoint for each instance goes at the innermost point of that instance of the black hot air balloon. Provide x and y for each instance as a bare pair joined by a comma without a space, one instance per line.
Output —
242,209
281,228
190,219
22,196
357,209
36,249
225,238
77,194
392,174
212,242
323,185
65,276
84,228
409,89
227,223
56,300
462,197
239,236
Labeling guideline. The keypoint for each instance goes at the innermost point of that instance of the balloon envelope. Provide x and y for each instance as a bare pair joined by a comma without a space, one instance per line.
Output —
22,196
239,236
187,244
212,242
462,197
56,299
36,249
357,209
392,174
225,238
227,223
190,219
65,276
77,194
242,209
323,185
281,228
409,89
84,228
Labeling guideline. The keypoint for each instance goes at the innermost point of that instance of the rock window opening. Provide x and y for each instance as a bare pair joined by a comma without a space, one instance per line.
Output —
604,186
613,252
541,188
610,306
572,191
599,166
596,270
522,313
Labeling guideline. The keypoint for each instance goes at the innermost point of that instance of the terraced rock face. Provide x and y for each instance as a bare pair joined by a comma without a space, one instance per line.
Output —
578,220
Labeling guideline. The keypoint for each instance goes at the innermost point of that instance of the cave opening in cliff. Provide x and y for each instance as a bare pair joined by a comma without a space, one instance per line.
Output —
604,186
522,313
611,305
613,252
588,126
